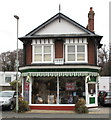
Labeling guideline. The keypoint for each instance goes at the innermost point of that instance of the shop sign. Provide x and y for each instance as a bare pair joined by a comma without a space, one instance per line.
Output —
70,86
26,86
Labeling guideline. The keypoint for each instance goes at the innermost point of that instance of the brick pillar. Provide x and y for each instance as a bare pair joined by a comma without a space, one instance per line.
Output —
91,20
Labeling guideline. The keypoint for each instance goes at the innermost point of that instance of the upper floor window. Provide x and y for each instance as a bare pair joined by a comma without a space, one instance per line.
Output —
42,52
76,50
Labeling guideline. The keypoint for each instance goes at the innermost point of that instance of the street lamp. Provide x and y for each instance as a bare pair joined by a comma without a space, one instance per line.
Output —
17,18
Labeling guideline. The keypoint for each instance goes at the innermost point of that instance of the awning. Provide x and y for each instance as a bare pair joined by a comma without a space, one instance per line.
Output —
55,74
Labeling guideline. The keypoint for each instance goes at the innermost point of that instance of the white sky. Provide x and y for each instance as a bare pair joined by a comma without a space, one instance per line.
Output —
33,13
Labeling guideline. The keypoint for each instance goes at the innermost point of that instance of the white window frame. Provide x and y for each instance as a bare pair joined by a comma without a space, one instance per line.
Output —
42,45
75,44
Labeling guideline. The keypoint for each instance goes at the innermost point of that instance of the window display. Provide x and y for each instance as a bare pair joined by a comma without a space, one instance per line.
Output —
70,89
44,90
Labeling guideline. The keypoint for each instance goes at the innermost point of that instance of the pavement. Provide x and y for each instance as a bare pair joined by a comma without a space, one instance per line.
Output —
93,113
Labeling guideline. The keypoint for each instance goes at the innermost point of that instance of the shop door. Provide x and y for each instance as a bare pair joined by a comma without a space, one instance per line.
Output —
91,94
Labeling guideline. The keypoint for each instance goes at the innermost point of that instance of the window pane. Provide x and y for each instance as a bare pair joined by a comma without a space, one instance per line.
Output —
80,48
47,49
38,57
80,57
38,49
71,57
47,57
7,79
71,49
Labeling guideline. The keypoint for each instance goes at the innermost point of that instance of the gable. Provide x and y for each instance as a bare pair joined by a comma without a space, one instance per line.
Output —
60,26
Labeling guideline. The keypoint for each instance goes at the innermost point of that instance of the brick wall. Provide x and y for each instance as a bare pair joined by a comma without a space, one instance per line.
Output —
58,49
91,52
28,53
60,54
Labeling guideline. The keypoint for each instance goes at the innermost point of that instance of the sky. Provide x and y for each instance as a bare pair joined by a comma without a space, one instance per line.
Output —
33,13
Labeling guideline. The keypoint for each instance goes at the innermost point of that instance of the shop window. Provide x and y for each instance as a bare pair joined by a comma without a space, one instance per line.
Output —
44,90
71,88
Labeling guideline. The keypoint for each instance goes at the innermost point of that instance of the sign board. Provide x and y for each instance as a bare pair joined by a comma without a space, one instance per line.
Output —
26,86
70,86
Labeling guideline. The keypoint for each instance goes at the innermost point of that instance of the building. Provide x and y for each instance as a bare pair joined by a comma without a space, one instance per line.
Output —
6,78
104,83
60,63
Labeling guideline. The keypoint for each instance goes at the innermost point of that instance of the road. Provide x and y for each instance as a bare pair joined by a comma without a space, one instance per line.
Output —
55,119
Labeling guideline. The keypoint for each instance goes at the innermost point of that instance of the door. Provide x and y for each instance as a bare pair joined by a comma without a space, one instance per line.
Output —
91,94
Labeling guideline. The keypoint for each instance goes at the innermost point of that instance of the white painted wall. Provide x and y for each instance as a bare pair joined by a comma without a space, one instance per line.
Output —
62,27
104,83
3,75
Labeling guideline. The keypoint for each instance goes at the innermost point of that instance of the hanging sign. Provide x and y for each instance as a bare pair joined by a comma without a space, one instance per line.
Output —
26,86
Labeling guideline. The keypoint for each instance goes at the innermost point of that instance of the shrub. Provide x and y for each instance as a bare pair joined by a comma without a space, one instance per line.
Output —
80,106
22,105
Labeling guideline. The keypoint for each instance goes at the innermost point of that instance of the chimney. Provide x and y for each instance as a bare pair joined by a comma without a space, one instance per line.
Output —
91,20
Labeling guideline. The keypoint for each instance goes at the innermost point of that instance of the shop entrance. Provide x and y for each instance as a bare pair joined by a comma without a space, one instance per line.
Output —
91,92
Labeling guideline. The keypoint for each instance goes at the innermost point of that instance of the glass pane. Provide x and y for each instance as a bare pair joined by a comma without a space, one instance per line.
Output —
80,57
71,88
7,79
44,90
47,57
38,49
80,48
47,49
91,88
38,57
71,57
71,49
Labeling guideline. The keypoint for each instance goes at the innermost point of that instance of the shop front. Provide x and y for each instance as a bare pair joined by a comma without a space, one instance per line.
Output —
59,89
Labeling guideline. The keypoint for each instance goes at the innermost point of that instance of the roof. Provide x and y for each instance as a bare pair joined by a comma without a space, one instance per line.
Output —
31,35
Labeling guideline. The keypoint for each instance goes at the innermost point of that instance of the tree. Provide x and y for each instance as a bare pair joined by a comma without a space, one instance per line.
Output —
104,61
8,60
